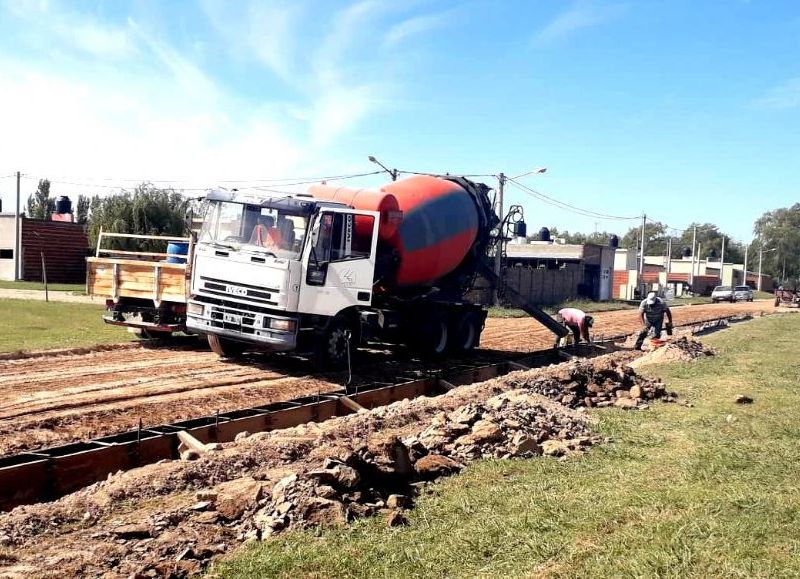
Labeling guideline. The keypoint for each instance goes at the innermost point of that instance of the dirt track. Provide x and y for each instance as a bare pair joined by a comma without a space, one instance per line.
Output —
53,400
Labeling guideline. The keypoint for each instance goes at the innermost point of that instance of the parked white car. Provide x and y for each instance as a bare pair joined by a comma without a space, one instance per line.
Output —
722,293
742,293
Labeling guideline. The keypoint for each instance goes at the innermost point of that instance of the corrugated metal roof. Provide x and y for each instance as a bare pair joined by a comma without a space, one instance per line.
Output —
544,251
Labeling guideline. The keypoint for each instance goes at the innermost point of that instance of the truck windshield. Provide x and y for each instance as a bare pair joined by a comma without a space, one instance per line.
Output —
254,228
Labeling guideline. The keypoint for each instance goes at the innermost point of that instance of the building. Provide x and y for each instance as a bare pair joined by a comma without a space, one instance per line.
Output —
699,276
547,272
61,245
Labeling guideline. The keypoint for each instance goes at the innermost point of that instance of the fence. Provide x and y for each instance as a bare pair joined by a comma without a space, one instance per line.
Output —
539,285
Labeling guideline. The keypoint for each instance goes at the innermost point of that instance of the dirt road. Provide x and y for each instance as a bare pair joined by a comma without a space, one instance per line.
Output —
53,400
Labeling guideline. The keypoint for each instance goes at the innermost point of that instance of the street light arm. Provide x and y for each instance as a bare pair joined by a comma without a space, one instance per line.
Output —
538,170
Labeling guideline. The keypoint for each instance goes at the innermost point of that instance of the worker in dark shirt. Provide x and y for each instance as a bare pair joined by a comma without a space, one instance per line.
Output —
652,311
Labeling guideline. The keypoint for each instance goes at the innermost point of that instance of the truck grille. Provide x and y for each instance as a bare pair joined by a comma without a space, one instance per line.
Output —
237,290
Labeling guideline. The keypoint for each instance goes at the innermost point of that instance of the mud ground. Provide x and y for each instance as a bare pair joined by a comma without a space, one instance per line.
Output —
50,400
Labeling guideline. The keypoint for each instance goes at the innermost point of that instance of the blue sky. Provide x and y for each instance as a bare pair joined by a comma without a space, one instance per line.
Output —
686,110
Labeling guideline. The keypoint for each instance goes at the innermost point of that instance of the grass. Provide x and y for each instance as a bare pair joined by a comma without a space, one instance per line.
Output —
585,305
681,492
38,325
35,285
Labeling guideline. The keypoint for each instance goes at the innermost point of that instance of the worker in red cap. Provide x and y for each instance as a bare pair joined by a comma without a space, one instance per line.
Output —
577,321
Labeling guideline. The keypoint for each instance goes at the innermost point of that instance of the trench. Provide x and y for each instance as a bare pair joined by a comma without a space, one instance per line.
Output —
48,474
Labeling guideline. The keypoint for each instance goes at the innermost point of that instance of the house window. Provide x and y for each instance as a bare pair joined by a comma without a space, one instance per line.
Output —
6,254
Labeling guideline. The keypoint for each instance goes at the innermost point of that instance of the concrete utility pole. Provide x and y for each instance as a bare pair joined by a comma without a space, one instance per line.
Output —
722,263
746,249
669,255
17,240
760,259
641,256
498,255
694,252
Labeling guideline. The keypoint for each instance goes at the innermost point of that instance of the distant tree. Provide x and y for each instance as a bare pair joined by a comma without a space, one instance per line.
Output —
656,238
709,240
82,210
40,204
145,211
779,230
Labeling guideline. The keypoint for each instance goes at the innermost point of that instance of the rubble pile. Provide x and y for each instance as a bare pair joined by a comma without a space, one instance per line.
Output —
383,475
598,384
683,349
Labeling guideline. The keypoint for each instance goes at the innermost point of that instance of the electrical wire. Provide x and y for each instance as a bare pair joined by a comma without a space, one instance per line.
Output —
568,207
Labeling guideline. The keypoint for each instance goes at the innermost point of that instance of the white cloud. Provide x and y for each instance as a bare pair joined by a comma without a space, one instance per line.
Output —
582,15
262,31
415,26
782,97
126,102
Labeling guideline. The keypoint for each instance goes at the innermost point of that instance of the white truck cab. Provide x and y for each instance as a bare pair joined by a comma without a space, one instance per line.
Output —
268,268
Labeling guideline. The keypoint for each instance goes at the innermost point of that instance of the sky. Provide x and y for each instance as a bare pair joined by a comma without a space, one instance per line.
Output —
687,111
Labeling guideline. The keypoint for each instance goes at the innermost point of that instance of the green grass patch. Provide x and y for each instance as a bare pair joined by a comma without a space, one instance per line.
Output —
36,285
38,325
585,305
681,492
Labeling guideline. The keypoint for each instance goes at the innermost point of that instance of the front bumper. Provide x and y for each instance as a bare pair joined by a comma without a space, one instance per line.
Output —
241,324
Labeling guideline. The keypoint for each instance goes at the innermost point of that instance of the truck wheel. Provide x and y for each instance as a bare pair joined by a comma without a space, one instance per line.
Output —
225,347
432,339
332,347
465,334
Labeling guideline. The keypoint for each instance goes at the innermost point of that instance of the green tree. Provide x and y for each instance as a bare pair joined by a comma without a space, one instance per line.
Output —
778,233
145,211
40,204
709,239
656,238
82,210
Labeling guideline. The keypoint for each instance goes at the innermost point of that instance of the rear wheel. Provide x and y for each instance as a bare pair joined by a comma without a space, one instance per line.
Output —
225,347
465,334
432,338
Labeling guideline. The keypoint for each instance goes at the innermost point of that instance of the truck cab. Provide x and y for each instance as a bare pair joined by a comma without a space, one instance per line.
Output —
276,272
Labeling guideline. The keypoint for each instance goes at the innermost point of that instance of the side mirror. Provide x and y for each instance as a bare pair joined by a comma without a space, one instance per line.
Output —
317,273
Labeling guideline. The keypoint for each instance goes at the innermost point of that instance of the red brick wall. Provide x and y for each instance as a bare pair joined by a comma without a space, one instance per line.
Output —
64,245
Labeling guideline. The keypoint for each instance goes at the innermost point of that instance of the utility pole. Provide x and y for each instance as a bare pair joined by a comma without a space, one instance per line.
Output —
694,252
17,235
722,263
760,259
641,257
669,255
746,249
498,254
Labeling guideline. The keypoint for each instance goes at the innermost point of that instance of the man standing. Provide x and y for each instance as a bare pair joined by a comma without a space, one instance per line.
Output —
652,311
577,321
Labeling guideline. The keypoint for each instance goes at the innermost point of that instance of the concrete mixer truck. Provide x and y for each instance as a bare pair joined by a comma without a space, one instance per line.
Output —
327,271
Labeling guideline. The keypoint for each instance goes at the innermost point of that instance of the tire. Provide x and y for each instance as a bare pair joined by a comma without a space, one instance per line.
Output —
225,347
431,341
465,333
332,345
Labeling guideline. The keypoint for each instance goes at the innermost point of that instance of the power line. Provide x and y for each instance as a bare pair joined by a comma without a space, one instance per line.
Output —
563,205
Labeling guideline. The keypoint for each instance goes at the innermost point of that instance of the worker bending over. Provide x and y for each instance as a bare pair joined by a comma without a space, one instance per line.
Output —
652,311
577,321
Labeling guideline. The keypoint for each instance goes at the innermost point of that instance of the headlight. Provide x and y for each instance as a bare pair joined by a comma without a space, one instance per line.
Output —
196,309
282,324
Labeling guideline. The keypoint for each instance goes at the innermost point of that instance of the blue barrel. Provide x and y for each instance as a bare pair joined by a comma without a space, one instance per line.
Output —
176,248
